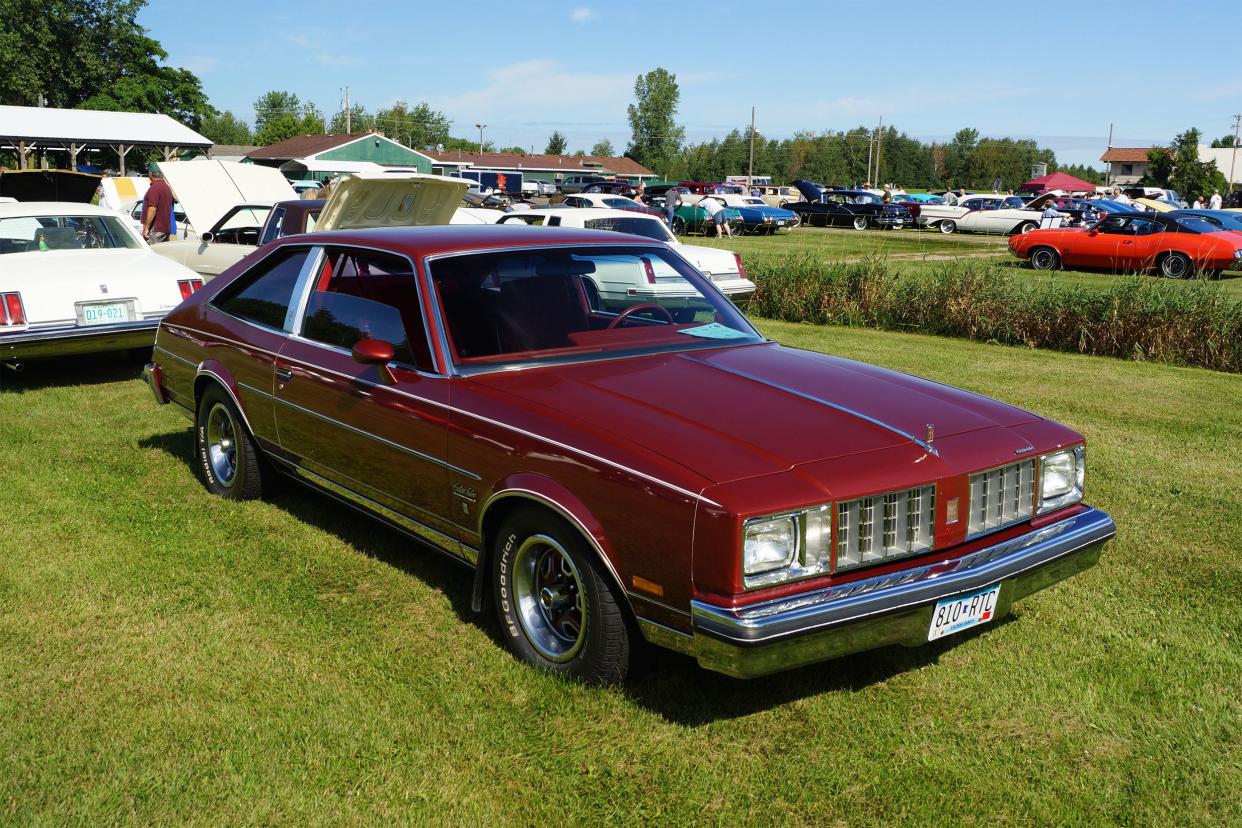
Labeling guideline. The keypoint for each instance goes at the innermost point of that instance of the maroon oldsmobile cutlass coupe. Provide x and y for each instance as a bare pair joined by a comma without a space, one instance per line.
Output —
588,421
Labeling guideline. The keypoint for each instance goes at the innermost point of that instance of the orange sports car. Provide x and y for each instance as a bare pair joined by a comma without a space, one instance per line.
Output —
1175,247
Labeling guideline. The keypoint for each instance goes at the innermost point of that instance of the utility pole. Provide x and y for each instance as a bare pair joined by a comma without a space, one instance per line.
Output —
879,137
750,165
481,128
1233,162
1108,173
349,123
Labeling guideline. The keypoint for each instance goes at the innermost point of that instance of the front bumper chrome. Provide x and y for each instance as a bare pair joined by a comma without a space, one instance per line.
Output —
886,609
78,339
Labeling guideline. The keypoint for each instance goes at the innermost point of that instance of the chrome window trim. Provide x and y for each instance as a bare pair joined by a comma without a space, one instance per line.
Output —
211,303
301,290
456,370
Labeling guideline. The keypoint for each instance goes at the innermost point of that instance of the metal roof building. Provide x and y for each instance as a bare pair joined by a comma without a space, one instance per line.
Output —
27,129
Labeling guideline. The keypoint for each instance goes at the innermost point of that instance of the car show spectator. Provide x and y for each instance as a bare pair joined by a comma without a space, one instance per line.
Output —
1050,217
1215,201
1198,205
887,195
157,208
716,212
1120,197
672,197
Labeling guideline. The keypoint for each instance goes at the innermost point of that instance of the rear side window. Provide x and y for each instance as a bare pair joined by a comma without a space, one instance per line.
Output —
363,294
274,221
263,295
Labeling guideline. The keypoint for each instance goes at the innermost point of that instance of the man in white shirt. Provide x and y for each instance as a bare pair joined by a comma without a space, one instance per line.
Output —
1216,201
716,213
1120,197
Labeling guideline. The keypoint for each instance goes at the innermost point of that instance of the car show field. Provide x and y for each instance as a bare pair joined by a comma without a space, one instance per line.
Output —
318,668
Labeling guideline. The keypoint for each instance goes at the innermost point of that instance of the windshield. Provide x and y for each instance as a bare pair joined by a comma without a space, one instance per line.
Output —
620,203
758,202
520,306
39,233
651,228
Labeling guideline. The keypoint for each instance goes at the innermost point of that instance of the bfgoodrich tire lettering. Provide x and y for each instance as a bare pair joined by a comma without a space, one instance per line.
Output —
227,458
557,610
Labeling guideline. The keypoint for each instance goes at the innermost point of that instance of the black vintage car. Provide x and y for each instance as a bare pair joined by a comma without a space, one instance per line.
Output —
847,208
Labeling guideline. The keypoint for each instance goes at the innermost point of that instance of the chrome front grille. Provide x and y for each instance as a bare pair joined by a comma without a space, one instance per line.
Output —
885,526
999,497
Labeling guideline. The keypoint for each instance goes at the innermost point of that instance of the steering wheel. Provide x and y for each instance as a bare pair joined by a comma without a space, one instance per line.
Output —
633,309
89,236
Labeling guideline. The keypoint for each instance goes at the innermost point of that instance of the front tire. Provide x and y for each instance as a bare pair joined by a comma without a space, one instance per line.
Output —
1045,258
860,222
227,457
557,610
679,226
1176,265
947,227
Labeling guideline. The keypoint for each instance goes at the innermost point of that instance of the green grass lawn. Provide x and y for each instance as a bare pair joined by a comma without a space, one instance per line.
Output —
916,250
169,657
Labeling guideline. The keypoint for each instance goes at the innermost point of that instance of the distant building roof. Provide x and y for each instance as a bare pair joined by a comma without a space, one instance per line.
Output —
560,163
301,146
42,124
1126,155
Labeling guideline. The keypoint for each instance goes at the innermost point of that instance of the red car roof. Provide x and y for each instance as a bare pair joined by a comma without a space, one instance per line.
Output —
452,238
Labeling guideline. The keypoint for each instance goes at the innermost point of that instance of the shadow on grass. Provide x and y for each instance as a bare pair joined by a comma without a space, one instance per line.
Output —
673,686
373,537
677,689
88,369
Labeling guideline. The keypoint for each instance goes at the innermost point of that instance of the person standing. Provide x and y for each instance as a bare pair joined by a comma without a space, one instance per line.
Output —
672,197
157,208
1215,201
887,195
1198,205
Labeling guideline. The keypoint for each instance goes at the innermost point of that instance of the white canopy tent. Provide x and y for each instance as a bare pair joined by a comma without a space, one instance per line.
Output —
28,129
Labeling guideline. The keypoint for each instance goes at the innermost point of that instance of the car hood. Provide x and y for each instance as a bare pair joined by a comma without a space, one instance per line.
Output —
733,413
809,191
207,190
391,200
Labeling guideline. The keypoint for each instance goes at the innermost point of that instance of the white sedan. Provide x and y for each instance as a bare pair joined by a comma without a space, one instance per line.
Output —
721,266
983,213
75,278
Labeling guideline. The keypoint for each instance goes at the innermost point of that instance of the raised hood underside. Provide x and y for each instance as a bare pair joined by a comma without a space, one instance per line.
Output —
391,200
208,189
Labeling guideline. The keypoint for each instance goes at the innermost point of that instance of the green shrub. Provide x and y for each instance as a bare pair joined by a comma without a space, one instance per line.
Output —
1140,317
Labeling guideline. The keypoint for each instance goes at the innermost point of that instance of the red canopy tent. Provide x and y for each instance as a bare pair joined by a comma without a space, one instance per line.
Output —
1057,181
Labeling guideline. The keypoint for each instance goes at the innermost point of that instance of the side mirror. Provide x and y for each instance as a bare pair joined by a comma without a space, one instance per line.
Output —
206,238
1093,232
375,352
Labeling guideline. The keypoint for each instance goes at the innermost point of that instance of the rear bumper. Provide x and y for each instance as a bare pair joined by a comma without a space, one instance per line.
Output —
888,609
76,339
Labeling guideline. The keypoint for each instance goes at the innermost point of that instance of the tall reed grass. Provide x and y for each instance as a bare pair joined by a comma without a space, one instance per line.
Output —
1140,317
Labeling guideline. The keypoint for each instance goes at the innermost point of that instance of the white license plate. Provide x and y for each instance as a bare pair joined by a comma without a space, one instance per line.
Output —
105,313
953,615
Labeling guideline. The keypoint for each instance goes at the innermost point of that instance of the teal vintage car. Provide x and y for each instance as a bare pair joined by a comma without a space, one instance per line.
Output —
691,218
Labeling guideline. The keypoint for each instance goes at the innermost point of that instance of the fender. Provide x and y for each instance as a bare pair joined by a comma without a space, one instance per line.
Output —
545,491
223,377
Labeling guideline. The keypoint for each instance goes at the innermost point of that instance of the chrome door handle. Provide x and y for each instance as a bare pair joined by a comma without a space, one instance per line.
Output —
283,375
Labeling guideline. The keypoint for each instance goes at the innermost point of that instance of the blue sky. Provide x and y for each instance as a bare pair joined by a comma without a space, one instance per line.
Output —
1057,72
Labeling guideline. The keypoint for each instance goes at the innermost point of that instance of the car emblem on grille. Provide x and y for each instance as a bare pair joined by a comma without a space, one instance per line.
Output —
103,288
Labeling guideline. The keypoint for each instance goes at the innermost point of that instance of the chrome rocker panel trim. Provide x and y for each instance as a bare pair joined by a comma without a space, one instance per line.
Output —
78,339
887,609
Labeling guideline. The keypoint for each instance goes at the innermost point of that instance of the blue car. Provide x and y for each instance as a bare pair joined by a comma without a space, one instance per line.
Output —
1224,219
924,198
757,216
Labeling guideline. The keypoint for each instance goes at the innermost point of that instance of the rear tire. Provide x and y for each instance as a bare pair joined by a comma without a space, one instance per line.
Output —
947,227
1176,265
1045,258
558,611
227,457
1026,227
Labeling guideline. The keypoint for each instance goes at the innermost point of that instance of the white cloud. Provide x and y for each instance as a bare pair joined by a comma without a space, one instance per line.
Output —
536,88
201,64
582,14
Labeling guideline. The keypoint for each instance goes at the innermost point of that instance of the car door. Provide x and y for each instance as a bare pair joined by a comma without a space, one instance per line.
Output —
1137,248
1098,247
374,434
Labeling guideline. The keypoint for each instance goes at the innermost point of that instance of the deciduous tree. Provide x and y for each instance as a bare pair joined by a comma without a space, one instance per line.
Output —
655,136
603,149
226,128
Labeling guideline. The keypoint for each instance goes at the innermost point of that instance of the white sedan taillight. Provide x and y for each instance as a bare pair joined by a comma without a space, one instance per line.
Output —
12,312
189,287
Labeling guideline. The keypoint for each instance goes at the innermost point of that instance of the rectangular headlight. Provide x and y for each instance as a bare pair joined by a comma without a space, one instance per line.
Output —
786,547
1061,477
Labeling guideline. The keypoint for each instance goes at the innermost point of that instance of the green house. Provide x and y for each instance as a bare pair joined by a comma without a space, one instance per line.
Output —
322,157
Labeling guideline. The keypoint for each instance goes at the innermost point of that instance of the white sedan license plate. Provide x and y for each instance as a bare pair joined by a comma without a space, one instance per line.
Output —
953,615
105,313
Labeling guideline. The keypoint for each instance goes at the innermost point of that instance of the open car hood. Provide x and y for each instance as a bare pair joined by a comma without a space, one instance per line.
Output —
391,200
206,190
809,191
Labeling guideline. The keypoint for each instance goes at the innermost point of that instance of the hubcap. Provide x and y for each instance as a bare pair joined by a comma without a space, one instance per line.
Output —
1174,267
550,598
221,444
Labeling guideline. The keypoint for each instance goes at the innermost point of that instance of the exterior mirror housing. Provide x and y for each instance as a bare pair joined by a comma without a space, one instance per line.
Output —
375,352
206,238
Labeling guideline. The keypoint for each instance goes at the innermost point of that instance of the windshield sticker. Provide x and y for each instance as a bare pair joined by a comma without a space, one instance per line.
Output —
715,331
